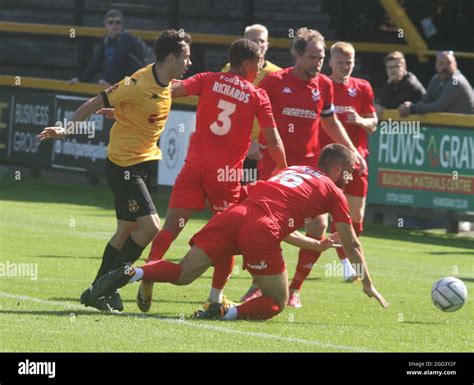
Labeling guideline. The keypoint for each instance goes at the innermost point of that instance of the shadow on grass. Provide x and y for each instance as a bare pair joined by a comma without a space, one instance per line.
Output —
418,236
423,323
156,302
467,279
43,191
68,313
67,257
450,252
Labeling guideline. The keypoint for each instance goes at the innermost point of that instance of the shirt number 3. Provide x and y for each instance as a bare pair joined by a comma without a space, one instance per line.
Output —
222,125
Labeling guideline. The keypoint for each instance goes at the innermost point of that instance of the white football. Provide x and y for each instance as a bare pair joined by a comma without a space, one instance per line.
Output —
449,294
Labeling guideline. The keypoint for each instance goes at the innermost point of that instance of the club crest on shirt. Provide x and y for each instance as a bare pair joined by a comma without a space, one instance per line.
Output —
352,92
315,95
133,206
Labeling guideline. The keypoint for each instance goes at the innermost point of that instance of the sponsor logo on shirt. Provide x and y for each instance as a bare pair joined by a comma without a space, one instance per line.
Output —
287,90
299,112
342,109
236,81
352,92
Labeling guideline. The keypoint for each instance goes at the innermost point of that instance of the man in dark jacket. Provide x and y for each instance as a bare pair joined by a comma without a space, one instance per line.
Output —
448,91
117,53
401,85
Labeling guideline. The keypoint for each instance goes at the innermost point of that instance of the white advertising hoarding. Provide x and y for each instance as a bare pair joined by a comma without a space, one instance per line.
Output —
174,143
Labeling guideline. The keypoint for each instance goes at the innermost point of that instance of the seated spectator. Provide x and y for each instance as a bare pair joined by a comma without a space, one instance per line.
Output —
448,90
117,53
401,85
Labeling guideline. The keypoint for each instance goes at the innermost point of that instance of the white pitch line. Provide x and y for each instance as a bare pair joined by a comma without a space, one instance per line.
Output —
196,325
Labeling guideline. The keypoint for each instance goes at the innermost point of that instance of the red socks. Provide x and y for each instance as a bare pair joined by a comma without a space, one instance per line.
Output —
160,245
306,260
260,308
222,272
358,227
161,271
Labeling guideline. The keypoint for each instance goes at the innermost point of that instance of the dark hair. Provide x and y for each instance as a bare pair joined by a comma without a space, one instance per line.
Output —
170,41
243,49
335,154
395,55
303,37
113,13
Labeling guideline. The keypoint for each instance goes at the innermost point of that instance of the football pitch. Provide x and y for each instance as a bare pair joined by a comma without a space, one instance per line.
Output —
61,230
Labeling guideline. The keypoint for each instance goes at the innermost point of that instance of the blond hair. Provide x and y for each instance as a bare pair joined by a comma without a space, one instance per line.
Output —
256,28
342,47
303,37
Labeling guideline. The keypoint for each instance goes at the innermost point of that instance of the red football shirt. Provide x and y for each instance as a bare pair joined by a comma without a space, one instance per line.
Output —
228,105
299,193
297,106
356,94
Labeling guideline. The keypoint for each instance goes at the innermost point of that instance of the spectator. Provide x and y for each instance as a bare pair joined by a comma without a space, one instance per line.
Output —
448,90
117,53
401,85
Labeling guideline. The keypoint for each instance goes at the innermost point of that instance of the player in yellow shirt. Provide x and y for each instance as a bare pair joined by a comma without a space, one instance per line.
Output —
259,34
142,103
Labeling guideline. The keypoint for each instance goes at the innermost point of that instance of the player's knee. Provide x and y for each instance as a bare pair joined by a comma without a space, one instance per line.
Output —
186,277
120,236
283,301
151,229
317,228
357,216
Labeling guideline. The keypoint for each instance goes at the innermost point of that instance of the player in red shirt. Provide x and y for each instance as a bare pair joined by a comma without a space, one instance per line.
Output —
354,102
302,99
255,228
228,105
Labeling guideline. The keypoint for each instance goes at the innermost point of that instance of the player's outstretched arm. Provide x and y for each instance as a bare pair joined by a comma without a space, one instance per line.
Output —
338,133
275,146
83,112
303,242
178,90
353,250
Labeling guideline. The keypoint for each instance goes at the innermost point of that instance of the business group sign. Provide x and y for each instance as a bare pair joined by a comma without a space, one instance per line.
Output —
431,167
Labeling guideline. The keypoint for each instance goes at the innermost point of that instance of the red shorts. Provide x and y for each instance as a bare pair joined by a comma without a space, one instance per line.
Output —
359,185
243,229
195,184
267,165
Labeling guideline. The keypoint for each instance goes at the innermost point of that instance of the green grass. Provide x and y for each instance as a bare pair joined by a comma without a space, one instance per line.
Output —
64,228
